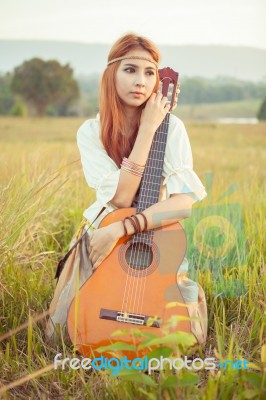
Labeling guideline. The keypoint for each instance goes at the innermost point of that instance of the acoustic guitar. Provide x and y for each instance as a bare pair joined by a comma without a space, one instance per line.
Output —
133,285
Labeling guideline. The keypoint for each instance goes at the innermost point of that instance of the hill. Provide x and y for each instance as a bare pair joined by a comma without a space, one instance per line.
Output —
207,61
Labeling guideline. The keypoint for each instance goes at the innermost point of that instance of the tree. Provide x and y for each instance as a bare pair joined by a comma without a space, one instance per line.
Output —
262,111
7,99
42,83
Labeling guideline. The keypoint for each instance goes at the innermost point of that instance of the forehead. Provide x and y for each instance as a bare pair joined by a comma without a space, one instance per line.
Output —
136,61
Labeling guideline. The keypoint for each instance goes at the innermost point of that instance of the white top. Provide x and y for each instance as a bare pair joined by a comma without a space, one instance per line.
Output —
102,174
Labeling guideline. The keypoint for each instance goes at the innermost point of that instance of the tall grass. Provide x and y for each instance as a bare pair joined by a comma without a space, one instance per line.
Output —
42,198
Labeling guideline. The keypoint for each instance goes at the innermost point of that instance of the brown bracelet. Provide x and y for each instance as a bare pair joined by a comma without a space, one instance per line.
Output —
137,222
145,221
132,223
125,229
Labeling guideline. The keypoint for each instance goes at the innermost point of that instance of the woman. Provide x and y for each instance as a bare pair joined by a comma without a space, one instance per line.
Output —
114,148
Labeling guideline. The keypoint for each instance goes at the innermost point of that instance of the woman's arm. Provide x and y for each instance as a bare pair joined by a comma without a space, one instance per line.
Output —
151,118
174,209
166,212
128,183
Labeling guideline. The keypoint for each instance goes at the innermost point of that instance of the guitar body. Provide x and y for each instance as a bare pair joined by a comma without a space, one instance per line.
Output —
121,294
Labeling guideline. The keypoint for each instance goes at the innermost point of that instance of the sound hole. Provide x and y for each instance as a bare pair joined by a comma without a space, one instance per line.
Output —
139,256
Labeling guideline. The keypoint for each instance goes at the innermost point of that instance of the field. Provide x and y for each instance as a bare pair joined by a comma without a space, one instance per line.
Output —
212,111
43,195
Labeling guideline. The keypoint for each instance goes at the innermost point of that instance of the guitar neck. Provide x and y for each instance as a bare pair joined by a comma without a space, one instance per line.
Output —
151,181
150,186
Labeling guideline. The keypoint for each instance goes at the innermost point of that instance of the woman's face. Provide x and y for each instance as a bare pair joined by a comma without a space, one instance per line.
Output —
135,79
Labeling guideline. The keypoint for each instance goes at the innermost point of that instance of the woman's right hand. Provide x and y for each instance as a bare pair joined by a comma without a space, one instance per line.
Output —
154,112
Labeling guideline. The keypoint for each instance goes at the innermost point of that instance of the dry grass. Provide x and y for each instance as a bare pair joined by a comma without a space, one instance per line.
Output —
42,198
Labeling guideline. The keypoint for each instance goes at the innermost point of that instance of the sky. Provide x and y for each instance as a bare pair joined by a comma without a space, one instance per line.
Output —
173,22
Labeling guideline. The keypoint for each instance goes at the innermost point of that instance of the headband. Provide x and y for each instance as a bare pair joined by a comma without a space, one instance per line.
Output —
133,57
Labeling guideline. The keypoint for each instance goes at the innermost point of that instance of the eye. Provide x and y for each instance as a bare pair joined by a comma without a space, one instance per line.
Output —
150,73
129,69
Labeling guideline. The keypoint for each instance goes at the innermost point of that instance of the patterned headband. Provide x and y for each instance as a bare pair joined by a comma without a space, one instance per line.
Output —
133,57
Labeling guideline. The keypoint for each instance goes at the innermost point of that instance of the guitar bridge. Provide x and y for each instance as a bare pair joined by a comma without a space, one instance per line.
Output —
130,318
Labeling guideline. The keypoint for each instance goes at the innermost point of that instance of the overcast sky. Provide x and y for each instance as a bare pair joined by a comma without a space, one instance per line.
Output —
176,22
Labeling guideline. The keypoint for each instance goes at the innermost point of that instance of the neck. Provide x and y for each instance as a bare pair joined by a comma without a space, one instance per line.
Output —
131,115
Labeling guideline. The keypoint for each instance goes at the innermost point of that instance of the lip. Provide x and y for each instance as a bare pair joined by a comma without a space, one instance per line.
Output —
137,95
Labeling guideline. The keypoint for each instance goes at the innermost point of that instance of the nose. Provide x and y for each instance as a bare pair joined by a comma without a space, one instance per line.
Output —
140,80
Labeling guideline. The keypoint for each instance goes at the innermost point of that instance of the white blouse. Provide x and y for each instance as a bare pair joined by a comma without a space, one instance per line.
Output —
102,174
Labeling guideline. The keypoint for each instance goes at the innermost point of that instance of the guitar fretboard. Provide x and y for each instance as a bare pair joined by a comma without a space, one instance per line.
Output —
151,181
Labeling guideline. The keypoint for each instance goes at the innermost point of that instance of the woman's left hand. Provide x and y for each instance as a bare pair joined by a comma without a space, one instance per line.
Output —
102,242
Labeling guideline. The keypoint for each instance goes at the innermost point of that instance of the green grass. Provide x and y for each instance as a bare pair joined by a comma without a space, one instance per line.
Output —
43,195
212,111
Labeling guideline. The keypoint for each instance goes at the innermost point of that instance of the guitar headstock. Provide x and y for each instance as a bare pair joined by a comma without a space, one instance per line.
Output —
169,85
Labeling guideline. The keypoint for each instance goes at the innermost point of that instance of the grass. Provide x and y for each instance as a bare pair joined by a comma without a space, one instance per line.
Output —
233,109
42,198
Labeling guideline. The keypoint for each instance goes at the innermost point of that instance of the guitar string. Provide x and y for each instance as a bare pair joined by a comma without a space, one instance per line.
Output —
154,167
129,275
140,276
135,245
160,143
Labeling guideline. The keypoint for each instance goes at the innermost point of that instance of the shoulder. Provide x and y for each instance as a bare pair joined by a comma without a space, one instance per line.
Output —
89,131
177,130
178,149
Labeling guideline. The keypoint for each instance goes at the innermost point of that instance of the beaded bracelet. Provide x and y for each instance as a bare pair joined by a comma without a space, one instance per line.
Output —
126,161
133,168
131,171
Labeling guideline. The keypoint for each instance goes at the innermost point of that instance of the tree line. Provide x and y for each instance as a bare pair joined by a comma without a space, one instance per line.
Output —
39,87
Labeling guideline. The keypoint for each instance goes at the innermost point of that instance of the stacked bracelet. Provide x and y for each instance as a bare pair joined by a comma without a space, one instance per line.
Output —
145,221
132,167
135,223
138,230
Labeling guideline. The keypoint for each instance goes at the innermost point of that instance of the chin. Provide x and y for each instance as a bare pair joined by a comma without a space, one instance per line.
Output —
137,102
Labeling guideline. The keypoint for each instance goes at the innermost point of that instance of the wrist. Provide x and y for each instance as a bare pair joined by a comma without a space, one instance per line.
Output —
146,131
118,229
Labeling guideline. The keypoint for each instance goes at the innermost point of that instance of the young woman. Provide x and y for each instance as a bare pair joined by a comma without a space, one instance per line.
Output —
114,148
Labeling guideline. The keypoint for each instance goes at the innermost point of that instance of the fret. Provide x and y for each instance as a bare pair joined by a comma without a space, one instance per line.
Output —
151,180
152,175
150,185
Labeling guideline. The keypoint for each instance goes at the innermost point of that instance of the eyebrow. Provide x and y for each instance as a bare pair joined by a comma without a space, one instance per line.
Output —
137,66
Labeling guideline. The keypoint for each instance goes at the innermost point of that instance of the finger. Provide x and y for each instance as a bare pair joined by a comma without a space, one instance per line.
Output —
164,100
97,263
159,96
152,97
94,259
167,106
95,266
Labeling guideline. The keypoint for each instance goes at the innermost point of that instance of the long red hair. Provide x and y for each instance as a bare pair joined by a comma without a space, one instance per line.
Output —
112,115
